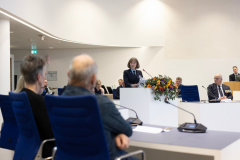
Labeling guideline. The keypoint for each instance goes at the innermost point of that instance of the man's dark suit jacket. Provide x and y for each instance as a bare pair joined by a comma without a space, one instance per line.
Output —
213,91
113,123
117,93
179,90
232,77
130,79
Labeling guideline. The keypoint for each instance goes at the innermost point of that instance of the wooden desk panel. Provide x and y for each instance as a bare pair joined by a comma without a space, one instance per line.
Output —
234,86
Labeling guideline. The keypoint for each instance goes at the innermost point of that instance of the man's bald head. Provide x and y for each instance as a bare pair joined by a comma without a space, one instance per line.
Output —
82,69
218,79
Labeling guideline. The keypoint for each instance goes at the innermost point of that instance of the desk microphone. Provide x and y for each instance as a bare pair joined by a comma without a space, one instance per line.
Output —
190,127
147,73
132,121
204,87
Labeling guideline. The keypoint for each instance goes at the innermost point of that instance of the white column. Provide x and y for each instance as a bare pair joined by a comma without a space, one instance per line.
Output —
5,73
4,56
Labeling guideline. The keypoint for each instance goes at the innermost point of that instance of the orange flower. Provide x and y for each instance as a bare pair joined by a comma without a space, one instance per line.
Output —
148,86
154,79
170,86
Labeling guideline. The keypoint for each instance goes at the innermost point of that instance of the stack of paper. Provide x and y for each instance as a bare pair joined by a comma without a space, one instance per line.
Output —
148,129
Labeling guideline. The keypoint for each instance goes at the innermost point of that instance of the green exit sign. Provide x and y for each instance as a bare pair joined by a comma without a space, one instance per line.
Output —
33,51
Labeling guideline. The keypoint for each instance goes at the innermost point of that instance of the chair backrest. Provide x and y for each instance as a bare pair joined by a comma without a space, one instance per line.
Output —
114,91
190,93
105,90
77,127
60,90
29,139
9,132
110,91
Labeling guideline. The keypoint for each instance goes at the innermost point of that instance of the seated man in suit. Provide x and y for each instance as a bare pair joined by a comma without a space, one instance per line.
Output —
233,76
46,90
121,85
82,78
179,84
218,90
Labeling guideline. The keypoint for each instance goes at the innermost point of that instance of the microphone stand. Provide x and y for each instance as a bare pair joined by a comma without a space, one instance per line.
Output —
147,73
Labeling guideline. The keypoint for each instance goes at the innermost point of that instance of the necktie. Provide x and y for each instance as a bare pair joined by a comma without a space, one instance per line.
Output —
134,73
220,91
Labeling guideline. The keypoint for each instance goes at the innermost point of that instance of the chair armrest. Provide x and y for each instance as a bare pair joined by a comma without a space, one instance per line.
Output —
39,153
54,153
131,154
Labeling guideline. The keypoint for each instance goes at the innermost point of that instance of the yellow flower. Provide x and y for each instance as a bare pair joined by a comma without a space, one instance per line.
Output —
155,88
158,82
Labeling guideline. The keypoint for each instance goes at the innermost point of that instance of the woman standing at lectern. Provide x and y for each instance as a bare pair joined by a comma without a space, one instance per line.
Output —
132,75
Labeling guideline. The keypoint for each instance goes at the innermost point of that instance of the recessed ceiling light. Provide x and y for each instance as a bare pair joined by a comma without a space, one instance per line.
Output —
50,47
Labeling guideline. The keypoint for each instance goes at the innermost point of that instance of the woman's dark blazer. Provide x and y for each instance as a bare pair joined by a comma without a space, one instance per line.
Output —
130,79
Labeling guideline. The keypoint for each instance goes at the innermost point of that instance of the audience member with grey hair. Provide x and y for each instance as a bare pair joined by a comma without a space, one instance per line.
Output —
217,90
33,70
82,78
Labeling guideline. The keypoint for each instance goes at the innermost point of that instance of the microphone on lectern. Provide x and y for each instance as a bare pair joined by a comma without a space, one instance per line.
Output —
147,73
132,121
190,127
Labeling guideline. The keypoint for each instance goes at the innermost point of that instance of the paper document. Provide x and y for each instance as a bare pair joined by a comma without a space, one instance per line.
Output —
226,100
147,129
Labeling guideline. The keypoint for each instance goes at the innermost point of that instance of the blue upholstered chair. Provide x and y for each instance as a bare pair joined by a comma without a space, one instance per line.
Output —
60,90
190,93
77,128
29,145
9,131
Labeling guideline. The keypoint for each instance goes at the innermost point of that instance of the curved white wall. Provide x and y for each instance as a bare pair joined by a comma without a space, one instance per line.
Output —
100,22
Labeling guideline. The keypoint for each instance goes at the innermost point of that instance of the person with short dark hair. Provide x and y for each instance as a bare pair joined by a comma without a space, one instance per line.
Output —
82,78
121,85
33,70
132,76
233,76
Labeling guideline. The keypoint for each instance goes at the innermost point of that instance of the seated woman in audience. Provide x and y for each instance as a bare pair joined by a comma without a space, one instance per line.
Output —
20,84
98,89
132,76
33,70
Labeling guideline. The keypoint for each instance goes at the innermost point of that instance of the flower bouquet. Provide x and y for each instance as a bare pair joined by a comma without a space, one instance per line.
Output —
162,85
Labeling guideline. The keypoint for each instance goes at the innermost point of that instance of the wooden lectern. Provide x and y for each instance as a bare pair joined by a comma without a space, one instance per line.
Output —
234,86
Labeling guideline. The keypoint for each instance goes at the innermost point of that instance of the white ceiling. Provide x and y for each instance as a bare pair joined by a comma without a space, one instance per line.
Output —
24,37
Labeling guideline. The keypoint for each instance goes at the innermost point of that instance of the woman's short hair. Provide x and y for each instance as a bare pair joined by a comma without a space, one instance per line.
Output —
133,59
97,81
179,78
31,66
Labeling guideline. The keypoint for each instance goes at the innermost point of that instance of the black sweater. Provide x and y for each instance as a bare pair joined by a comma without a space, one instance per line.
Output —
42,121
